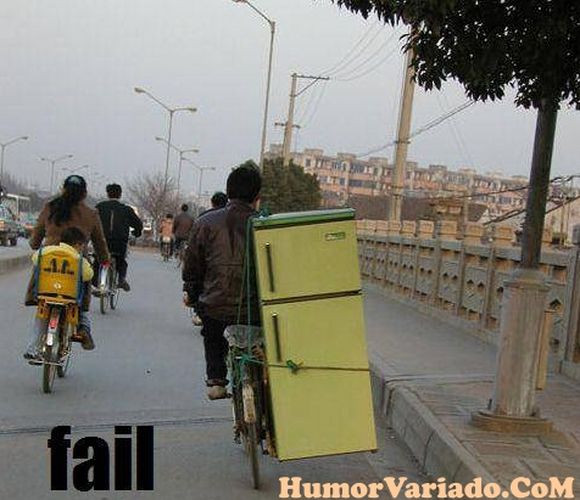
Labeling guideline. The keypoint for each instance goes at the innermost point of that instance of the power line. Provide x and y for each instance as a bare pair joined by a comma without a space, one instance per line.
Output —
421,130
316,105
340,75
349,57
557,179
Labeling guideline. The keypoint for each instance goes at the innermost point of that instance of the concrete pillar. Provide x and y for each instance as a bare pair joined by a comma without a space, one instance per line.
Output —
382,228
447,230
513,404
547,235
394,228
472,233
408,229
425,229
515,385
503,236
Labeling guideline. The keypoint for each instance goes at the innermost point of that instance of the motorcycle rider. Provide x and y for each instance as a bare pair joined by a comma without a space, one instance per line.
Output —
118,219
65,211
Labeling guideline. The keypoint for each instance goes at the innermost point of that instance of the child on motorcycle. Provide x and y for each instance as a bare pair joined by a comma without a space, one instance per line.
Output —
72,243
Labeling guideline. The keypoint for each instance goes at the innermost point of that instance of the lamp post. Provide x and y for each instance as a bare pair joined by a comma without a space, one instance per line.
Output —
171,112
272,25
181,152
53,162
201,171
3,146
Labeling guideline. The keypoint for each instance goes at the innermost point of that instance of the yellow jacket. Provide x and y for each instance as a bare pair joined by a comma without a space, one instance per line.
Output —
63,247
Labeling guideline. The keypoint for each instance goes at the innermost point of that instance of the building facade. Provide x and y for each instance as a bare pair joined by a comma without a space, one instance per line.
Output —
344,175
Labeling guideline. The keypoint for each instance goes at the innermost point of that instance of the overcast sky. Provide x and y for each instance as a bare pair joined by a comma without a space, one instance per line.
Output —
68,68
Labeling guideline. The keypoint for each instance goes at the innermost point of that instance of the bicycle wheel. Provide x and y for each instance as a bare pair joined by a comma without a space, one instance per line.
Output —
104,295
64,354
50,351
114,289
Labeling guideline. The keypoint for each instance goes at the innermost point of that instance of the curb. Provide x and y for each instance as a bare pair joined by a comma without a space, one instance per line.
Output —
436,449
13,263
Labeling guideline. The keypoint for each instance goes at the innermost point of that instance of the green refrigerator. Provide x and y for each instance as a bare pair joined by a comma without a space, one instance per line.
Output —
312,314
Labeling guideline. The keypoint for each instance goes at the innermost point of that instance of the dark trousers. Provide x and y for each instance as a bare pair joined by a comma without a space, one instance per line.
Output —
118,249
216,350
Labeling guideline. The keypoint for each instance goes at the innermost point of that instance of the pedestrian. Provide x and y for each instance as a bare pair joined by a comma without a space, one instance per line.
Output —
118,220
65,211
213,272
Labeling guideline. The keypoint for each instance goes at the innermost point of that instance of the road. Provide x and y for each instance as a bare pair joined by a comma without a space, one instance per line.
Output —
147,369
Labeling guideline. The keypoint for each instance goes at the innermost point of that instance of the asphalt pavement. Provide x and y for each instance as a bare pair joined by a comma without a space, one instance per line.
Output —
147,369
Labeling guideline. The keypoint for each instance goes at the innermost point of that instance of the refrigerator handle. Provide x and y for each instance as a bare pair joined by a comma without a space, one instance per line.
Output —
277,337
270,266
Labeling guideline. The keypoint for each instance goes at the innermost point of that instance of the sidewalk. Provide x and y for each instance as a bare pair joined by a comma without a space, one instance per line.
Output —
12,258
429,376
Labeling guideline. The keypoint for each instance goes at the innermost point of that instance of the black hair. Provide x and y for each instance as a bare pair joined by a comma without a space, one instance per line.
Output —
219,200
74,190
169,216
73,236
114,191
244,183
184,207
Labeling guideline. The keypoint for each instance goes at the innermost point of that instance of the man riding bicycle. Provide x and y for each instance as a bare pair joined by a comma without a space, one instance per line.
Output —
118,219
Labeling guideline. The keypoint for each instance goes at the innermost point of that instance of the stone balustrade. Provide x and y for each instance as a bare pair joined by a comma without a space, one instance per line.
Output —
463,273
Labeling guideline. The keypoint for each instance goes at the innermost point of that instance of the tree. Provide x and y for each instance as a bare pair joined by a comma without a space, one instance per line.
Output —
288,189
147,191
488,46
532,46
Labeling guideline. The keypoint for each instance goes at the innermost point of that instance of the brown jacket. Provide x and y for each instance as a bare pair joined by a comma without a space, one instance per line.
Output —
47,232
214,264
86,219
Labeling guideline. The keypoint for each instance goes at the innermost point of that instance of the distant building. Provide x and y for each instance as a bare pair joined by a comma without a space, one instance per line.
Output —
344,176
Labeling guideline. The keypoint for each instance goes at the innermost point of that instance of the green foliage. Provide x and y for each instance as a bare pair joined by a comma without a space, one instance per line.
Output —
288,189
488,45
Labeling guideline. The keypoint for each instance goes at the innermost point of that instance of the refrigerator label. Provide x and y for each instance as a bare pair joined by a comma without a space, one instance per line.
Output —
335,236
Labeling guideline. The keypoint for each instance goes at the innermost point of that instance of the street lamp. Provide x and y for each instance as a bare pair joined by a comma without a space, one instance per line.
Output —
272,25
53,162
171,112
181,152
3,146
201,170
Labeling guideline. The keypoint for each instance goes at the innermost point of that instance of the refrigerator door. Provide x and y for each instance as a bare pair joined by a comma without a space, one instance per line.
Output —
306,260
324,405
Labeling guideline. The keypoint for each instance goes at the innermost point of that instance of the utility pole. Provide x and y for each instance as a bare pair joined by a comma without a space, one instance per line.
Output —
289,125
402,142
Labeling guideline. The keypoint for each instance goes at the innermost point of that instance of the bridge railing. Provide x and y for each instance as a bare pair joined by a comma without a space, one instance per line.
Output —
462,275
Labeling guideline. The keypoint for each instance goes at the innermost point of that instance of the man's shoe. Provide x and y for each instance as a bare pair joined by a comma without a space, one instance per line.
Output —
87,341
217,392
124,285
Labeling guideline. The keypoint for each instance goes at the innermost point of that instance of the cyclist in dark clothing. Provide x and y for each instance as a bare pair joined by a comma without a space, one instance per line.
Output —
182,225
117,220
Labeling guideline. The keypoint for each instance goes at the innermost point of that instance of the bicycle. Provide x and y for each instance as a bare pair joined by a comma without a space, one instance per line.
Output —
180,253
251,411
166,248
108,289
59,293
